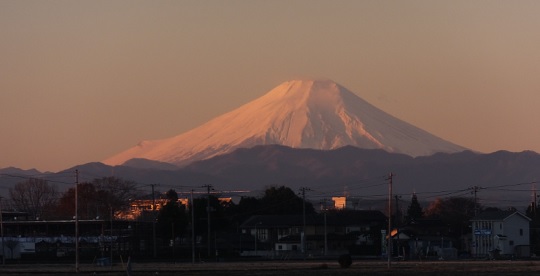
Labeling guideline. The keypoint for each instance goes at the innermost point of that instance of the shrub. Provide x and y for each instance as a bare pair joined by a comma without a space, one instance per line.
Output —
345,260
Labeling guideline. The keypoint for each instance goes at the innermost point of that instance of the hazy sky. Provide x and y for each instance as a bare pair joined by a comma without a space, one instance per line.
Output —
83,80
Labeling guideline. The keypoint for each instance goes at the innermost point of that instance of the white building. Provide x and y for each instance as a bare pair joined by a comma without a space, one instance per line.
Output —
500,232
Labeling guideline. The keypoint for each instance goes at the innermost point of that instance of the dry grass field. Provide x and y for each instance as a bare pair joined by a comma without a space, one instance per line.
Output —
296,268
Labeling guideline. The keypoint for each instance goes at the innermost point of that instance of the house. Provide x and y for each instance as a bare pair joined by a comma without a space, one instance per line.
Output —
333,233
55,240
500,232
424,238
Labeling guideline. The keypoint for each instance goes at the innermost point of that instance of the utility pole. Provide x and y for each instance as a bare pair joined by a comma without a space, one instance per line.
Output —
325,232
304,236
76,221
475,190
397,222
111,221
2,233
154,220
389,245
208,187
533,202
192,229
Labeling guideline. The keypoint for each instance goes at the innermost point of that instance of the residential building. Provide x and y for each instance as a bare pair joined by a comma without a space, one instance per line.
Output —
334,233
424,238
501,233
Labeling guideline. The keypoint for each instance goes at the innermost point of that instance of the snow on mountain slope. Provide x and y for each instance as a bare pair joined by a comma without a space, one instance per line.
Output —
318,114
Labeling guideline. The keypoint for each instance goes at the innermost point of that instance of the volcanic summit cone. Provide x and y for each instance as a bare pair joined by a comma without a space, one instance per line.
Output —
317,114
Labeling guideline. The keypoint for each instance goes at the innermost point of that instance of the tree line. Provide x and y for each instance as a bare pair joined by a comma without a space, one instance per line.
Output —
41,200
102,197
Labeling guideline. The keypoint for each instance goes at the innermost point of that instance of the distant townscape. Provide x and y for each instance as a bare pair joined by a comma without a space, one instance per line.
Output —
112,219
309,170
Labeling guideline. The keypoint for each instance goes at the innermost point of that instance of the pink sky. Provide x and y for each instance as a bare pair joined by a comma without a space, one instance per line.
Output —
83,80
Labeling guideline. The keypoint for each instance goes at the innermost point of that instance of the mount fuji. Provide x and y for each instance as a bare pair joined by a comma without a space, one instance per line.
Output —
314,114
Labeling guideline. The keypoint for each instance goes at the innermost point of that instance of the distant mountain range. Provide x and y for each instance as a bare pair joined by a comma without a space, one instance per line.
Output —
502,178
312,114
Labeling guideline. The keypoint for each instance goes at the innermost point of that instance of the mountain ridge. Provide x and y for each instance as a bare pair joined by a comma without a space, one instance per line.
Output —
503,178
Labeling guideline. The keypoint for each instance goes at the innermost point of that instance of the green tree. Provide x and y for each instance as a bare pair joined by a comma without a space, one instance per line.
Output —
283,201
456,212
97,198
88,204
172,219
218,219
414,211
246,207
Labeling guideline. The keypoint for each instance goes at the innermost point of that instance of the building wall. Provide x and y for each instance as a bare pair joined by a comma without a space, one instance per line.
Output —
516,228
503,235
482,237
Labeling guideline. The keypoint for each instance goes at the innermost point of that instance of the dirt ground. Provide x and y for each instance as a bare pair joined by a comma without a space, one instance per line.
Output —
296,268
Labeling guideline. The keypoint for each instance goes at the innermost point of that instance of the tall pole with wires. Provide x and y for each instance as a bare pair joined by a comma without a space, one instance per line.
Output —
475,190
192,229
389,244
325,231
208,187
76,221
304,236
2,233
154,220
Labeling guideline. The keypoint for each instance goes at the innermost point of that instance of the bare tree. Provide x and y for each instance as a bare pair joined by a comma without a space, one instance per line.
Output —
34,196
115,193
98,198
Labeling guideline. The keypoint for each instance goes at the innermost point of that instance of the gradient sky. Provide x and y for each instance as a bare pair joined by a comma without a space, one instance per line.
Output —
83,80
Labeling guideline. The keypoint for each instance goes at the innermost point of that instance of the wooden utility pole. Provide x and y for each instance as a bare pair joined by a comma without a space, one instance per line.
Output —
192,229
208,187
389,244
304,235
2,233
154,220
475,190
76,221
325,231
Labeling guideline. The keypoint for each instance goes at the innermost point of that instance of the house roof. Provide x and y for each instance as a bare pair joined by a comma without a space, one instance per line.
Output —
423,228
349,218
497,215
296,238
425,223
275,221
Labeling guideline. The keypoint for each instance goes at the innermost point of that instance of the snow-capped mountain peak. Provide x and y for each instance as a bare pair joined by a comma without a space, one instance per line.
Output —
318,114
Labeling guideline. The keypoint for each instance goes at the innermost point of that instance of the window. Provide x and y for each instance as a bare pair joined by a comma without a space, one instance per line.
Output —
265,234
511,242
521,232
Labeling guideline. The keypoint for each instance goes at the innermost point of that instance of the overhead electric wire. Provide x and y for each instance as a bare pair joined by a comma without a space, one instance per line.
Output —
29,177
352,188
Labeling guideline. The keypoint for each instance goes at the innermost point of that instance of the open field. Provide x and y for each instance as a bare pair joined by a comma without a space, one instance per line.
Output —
313,268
